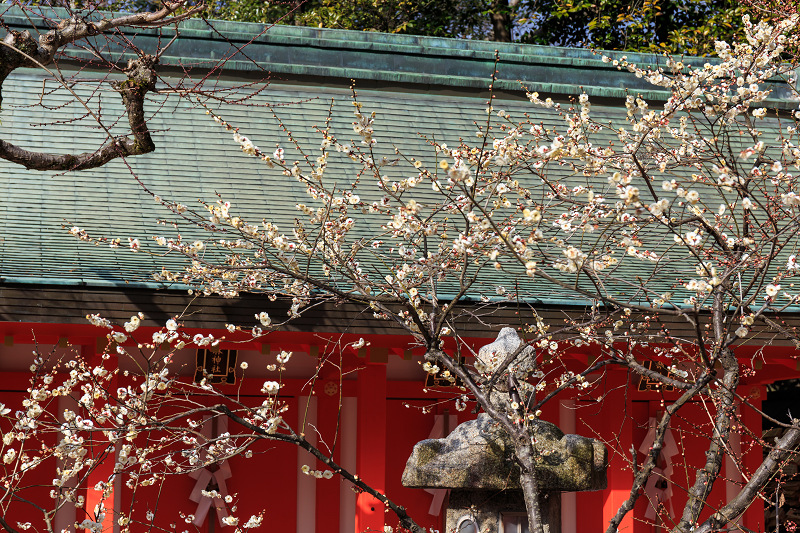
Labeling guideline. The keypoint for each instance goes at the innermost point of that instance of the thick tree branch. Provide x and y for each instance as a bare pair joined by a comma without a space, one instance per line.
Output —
784,447
707,475
20,49
141,80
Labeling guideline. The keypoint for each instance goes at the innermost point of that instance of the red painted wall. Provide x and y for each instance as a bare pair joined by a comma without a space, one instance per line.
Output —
387,431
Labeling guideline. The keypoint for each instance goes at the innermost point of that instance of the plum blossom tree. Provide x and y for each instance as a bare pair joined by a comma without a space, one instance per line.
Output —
674,229
149,423
688,215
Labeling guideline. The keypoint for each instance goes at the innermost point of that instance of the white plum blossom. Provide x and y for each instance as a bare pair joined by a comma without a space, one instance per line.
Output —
772,290
133,324
253,522
270,387
360,343
264,318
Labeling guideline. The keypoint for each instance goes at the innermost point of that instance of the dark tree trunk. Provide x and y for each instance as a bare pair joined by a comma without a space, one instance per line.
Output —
298,8
501,21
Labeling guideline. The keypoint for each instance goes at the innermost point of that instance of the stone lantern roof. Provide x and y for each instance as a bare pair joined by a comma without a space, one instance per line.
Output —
479,455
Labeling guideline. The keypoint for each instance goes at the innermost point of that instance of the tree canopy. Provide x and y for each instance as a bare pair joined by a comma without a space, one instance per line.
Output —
672,26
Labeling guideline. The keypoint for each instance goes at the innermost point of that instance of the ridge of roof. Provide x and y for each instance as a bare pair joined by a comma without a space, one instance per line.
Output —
460,64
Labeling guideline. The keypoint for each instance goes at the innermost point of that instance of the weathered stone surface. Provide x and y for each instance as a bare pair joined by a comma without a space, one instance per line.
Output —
479,455
488,507
507,342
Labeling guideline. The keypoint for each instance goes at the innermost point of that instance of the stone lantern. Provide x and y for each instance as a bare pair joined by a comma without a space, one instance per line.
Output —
477,463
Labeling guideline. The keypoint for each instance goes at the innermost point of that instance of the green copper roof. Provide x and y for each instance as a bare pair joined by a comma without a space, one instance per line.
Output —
195,159
419,86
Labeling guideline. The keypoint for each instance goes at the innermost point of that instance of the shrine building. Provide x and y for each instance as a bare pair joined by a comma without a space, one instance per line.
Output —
421,88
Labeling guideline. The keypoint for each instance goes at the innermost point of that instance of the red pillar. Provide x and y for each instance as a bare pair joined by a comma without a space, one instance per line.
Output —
328,395
371,464
102,450
617,432
752,453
